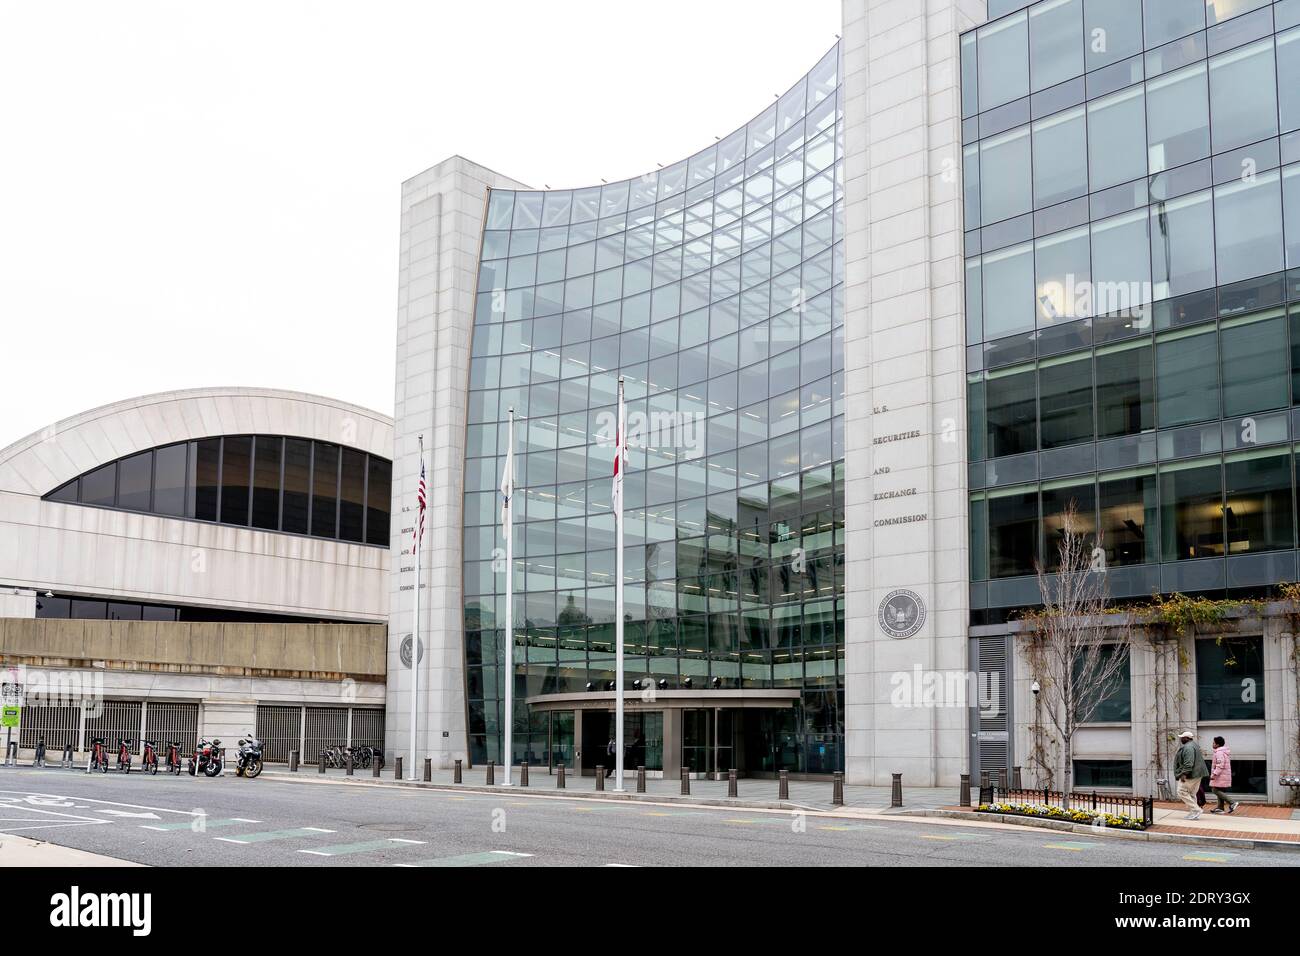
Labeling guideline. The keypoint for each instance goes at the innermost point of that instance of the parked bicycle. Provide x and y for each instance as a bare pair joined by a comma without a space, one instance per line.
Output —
124,754
98,756
149,759
173,756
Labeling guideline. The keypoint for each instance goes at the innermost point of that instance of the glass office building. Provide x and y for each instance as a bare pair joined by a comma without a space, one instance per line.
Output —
713,288
1132,240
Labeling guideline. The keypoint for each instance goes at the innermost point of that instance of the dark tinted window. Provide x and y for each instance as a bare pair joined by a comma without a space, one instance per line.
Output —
324,490
118,611
68,492
237,459
169,480
134,478
88,610
297,487
207,461
379,490
99,487
266,482
52,607
352,496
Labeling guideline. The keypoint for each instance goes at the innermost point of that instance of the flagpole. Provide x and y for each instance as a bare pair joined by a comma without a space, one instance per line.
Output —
508,482
618,592
415,635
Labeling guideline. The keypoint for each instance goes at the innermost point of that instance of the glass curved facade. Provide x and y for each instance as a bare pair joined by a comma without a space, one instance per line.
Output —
714,288
267,482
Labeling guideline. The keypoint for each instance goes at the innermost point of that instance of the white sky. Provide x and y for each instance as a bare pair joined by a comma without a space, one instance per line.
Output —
200,194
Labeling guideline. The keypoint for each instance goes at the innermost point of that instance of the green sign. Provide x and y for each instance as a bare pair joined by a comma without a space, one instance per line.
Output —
9,716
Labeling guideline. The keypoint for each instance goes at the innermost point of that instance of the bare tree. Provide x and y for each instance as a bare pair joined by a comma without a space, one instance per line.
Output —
1081,659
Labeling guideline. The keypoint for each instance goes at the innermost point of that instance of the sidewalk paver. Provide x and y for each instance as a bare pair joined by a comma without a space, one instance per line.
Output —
21,851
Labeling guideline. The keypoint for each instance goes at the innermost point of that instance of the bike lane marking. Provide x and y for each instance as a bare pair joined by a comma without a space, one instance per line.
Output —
346,849
110,803
268,835
196,825
470,859
1075,845
1204,856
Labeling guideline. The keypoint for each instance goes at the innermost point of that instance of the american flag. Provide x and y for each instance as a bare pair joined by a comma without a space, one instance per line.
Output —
419,525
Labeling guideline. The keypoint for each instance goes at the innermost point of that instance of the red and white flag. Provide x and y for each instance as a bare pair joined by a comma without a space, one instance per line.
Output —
620,456
419,523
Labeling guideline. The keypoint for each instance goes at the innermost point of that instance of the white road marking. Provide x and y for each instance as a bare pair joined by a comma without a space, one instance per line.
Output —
509,853
111,803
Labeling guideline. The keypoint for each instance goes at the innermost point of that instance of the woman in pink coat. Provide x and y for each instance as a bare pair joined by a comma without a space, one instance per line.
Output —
1221,776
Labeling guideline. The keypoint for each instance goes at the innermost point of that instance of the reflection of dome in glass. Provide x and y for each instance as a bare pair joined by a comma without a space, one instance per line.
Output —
571,615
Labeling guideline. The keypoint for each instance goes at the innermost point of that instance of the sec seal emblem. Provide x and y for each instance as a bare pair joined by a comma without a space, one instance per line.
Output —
902,613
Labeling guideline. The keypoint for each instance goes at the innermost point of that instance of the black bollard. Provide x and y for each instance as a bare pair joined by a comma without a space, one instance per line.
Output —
600,777
428,770
559,777
640,779
837,789
320,767
375,764
491,773
686,782
347,763
523,774
456,778
293,761
896,792
965,790
1016,781
783,785
397,768
731,783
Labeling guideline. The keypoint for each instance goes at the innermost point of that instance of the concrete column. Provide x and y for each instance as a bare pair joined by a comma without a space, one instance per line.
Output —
672,743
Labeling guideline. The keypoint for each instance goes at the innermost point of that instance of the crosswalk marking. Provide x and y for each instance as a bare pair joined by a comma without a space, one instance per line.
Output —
470,859
198,824
1075,845
268,835
345,849
1204,856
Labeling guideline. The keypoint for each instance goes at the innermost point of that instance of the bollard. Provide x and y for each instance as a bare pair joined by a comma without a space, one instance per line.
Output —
11,754
523,774
559,778
731,782
686,782
428,770
348,763
896,791
783,785
320,768
600,777
455,777
965,790
293,761
1016,782
491,773
640,779
984,779
375,764
397,768
837,789
1002,779
67,757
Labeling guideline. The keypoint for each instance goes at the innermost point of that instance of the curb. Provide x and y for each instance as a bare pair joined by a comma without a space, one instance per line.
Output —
1114,833
605,795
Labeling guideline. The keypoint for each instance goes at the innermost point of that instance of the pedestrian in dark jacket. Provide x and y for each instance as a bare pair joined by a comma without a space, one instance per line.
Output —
1189,768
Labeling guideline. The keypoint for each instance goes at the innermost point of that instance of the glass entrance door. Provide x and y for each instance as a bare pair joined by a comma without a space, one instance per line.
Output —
708,741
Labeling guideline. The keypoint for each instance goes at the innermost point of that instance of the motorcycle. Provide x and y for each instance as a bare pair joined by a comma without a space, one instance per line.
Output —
98,756
250,757
173,757
149,759
207,757
124,755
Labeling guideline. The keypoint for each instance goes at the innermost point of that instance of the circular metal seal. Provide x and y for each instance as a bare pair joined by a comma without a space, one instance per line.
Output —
405,651
902,613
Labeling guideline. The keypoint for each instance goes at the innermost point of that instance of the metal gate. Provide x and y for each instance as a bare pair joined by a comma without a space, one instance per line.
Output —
279,728
57,724
326,726
117,719
991,727
165,722
368,727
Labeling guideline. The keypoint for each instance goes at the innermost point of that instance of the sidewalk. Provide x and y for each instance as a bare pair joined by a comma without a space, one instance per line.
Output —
762,794
20,851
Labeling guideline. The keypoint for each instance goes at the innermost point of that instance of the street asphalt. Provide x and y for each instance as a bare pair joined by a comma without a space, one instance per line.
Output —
187,821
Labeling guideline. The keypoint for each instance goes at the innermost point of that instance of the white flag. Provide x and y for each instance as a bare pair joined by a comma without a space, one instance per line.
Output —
620,456
508,486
